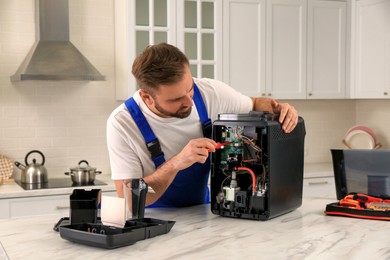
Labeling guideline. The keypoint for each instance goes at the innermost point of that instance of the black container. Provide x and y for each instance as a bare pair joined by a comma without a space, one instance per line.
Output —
255,143
361,171
84,206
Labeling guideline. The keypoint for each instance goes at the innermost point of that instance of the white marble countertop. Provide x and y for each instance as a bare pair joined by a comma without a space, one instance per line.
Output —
305,233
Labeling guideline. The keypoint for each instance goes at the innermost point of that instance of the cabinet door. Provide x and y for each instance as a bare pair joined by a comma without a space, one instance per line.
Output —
326,49
4,206
191,25
199,26
39,206
244,46
286,49
372,77
319,188
139,23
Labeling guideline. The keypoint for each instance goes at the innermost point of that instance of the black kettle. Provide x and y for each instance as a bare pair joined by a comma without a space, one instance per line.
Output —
33,172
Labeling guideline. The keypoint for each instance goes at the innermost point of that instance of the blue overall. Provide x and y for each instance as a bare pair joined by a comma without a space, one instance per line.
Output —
190,185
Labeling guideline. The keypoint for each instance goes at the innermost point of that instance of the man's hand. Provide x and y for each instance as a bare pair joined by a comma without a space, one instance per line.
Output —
197,150
288,116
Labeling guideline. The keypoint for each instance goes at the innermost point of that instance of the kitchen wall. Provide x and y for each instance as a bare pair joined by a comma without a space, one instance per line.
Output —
67,120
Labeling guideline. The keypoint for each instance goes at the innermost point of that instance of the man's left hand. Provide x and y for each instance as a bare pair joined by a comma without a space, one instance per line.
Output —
288,116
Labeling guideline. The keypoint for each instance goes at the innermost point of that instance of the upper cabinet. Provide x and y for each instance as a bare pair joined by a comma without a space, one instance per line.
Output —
244,45
372,49
326,49
192,25
286,49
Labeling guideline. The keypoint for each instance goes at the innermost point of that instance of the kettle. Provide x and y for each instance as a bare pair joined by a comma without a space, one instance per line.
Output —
34,172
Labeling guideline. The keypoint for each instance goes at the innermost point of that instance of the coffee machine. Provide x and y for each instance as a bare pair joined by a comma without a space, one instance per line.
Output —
258,171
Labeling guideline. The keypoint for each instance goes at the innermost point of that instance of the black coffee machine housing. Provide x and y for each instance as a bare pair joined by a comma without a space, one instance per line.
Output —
258,172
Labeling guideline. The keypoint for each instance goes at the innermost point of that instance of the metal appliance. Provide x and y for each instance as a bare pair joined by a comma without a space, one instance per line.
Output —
35,172
53,56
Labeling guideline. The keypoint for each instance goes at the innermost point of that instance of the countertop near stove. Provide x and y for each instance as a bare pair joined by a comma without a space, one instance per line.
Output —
10,190
305,233
13,190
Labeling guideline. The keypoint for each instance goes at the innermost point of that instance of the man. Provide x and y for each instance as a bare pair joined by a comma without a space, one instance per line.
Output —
161,121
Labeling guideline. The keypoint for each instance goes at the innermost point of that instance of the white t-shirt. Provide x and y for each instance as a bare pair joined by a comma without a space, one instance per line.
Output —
129,156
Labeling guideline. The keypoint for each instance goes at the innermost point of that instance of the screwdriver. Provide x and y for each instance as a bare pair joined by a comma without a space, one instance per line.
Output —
220,145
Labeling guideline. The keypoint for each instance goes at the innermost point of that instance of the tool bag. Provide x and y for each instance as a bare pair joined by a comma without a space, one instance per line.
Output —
360,205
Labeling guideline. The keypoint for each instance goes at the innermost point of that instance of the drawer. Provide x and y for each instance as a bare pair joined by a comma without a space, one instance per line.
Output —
319,187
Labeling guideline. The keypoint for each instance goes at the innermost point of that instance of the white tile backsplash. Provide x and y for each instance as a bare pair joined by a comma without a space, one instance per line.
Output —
67,120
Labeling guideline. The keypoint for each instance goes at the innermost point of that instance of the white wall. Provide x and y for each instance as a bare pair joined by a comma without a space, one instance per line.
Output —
375,114
66,120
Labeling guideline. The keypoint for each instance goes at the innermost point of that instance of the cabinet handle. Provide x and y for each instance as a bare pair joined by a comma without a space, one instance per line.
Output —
318,183
62,207
263,94
310,94
269,94
385,93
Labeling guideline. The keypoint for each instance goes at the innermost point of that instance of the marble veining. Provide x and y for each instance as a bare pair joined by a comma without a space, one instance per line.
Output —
305,233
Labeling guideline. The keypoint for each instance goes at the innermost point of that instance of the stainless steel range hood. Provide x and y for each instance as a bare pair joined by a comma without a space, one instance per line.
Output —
53,56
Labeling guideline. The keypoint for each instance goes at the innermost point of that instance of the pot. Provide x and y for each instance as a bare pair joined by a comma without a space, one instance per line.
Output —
34,172
83,174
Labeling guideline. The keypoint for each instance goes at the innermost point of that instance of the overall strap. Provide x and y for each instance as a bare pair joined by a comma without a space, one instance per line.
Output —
151,140
202,111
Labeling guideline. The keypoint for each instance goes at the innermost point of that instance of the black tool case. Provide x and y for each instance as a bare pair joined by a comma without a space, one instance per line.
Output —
335,209
99,235
256,152
360,173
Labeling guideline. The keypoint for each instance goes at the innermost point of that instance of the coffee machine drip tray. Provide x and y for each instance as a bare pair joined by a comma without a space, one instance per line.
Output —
56,183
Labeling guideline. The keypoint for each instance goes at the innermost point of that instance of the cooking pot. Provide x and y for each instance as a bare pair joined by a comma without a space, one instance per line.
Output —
83,174
33,172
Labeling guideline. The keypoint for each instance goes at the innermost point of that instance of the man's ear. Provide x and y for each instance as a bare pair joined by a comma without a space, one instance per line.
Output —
146,97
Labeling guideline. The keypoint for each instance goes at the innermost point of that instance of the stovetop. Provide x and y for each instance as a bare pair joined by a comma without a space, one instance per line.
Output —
56,183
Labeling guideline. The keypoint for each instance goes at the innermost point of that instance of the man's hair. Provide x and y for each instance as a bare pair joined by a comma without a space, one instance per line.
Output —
160,64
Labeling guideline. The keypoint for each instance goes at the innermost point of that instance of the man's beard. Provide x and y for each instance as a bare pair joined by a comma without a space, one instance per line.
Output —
181,113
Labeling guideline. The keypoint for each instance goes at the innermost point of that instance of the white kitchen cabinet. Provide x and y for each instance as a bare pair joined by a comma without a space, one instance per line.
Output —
285,49
326,49
322,187
42,205
372,49
191,25
4,212
38,205
244,46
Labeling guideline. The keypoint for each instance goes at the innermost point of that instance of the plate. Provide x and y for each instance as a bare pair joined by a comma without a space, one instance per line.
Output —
363,128
359,139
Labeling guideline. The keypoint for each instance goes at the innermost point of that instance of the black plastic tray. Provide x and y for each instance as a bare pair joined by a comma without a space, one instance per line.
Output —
99,235
65,221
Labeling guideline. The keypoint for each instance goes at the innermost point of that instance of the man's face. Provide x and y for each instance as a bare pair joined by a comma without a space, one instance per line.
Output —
174,100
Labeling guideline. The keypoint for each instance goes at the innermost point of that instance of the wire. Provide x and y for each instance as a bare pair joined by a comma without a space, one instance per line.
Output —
228,177
254,186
